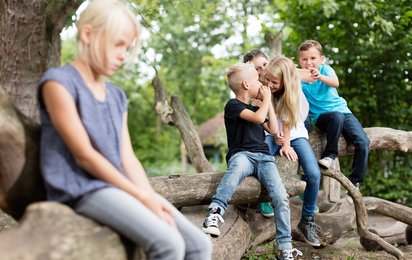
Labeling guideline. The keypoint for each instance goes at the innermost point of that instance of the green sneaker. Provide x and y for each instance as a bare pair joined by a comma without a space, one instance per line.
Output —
266,209
301,197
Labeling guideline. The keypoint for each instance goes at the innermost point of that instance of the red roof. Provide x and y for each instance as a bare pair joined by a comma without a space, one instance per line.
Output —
211,130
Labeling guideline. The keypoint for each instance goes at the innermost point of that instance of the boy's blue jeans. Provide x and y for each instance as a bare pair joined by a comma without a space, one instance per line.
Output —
334,124
307,159
244,164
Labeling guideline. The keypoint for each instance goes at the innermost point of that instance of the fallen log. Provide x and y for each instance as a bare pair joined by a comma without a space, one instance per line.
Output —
361,213
53,231
198,189
21,183
6,221
389,209
392,210
390,230
20,180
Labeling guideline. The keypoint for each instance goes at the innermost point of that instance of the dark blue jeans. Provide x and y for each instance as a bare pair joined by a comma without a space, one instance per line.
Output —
307,159
334,124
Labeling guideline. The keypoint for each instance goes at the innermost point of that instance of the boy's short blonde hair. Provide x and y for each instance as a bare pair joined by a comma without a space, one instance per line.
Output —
238,73
105,17
306,45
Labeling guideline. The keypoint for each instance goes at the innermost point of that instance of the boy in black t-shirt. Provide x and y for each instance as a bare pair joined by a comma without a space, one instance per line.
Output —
249,155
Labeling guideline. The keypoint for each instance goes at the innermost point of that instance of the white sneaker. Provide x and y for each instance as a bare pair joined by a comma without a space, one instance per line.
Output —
326,162
288,254
211,224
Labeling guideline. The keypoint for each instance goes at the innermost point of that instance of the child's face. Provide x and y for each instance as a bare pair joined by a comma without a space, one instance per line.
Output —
118,49
260,64
310,58
254,83
274,83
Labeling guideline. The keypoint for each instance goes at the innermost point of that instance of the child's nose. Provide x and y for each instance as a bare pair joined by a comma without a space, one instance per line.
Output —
122,55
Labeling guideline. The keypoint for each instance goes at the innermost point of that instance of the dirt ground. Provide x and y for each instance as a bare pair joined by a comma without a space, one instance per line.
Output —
349,247
346,248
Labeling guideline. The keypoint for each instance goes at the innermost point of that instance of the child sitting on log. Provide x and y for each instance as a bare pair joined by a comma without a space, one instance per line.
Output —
248,154
87,159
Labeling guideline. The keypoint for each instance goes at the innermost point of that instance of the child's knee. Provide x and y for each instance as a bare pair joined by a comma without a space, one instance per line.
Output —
279,197
337,117
169,246
203,245
364,143
313,177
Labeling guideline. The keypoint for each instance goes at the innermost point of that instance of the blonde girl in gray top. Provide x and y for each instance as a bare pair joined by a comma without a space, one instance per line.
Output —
87,159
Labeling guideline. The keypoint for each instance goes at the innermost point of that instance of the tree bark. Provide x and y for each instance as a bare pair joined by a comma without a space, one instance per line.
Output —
176,114
382,138
29,44
361,213
53,231
20,179
198,189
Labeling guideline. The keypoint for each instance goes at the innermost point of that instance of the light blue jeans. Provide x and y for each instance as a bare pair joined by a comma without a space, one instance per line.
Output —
128,216
244,164
307,159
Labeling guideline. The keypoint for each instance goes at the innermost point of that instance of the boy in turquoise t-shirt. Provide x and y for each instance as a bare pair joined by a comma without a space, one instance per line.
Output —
329,112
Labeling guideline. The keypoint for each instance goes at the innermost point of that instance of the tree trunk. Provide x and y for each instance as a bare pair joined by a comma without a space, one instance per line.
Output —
176,114
20,179
30,43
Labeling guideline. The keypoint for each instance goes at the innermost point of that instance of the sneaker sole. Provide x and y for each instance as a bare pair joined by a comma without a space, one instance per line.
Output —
308,242
268,215
324,166
215,232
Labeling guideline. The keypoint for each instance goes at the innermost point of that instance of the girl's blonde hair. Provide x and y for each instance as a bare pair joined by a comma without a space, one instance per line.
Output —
105,17
287,100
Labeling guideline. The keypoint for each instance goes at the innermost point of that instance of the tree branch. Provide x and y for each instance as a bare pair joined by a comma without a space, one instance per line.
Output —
361,213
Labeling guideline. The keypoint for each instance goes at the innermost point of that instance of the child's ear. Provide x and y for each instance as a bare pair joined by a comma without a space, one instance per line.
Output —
322,58
85,34
244,84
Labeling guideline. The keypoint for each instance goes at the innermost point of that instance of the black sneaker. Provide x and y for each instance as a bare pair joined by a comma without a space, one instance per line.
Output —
308,228
288,254
211,224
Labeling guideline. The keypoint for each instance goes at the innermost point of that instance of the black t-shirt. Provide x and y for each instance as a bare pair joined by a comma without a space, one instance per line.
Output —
243,135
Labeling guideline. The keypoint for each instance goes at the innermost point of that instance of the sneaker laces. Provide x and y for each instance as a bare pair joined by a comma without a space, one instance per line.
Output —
213,219
289,253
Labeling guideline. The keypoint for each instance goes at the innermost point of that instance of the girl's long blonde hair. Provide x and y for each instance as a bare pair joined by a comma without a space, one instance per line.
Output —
287,100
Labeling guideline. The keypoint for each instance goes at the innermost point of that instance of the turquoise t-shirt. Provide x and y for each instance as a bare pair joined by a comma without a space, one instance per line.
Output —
323,98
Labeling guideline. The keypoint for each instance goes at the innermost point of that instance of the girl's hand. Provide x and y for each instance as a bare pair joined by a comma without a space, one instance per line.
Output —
288,151
162,210
280,138
305,75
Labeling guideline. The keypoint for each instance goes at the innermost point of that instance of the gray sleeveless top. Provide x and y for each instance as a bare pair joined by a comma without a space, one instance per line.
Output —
65,181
